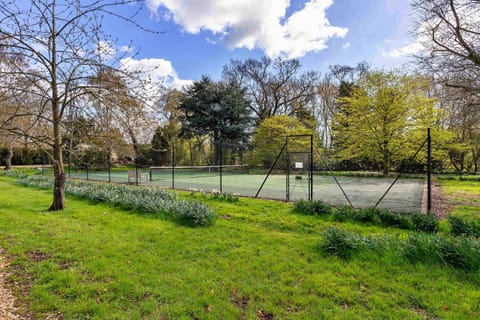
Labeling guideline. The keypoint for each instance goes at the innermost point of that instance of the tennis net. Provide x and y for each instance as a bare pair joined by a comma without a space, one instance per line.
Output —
166,173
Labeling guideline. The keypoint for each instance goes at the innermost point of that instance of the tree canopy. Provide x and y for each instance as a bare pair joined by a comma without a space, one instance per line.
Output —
217,109
380,117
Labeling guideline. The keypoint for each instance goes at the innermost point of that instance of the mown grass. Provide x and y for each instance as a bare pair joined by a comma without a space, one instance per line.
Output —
259,261
464,197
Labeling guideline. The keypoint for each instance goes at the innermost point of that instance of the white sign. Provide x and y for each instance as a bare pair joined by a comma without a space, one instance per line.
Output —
298,165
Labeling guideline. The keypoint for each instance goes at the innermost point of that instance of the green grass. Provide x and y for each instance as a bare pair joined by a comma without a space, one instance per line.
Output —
464,196
93,261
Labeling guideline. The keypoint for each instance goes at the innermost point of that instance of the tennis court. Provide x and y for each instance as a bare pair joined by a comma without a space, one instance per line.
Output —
406,195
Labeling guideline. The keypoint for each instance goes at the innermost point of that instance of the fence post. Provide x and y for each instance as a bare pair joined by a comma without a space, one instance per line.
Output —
221,167
69,164
310,191
109,170
173,163
429,172
287,169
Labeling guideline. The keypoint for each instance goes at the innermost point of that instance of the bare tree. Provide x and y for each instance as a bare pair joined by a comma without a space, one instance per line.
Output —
274,87
450,32
121,109
62,45
324,108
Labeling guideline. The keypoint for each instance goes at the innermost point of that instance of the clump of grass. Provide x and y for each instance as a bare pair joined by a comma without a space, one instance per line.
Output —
146,200
340,243
424,223
460,253
343,213
393,219
366,215
227,197
461,226
315,207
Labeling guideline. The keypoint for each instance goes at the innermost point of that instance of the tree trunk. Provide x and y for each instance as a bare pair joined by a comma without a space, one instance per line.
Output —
8,158
58,193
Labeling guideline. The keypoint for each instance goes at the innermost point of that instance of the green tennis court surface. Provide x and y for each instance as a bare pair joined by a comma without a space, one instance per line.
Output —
405,196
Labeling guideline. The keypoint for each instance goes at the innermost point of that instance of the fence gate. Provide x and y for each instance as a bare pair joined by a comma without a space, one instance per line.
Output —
299,167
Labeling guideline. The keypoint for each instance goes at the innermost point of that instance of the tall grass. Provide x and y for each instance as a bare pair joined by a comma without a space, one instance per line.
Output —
461,226
459,253
407,221
146,200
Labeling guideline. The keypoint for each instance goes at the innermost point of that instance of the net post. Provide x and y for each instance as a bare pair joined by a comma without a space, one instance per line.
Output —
429,172
86,168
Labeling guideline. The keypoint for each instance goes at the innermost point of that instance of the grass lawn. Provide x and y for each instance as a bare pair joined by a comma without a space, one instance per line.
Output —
260,261
464,196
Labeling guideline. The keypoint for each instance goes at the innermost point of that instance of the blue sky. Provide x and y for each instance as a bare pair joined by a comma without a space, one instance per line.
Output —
201,36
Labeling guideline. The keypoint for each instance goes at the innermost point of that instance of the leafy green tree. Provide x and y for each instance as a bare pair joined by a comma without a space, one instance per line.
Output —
217,109
383,114
270,137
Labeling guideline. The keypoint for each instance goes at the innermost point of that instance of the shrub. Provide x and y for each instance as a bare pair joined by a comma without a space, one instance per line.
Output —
461,226
425,223
315,207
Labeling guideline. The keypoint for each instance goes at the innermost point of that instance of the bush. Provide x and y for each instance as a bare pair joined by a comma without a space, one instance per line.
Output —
464,227
315,207
425,223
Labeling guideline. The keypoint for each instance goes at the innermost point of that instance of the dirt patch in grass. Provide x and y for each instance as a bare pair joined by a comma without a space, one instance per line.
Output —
8,303
38,256
441,204
263,315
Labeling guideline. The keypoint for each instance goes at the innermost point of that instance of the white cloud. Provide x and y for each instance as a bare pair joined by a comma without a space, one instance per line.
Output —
126,49
404,51
255,24
345,46
154,71
106,50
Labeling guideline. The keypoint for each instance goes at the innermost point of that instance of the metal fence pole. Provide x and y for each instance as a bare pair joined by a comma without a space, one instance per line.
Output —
69,164
429,172
109,171
287,170
173,163
310,191
221,166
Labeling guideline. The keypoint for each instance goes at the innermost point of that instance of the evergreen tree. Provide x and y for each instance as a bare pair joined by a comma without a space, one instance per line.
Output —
217,109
